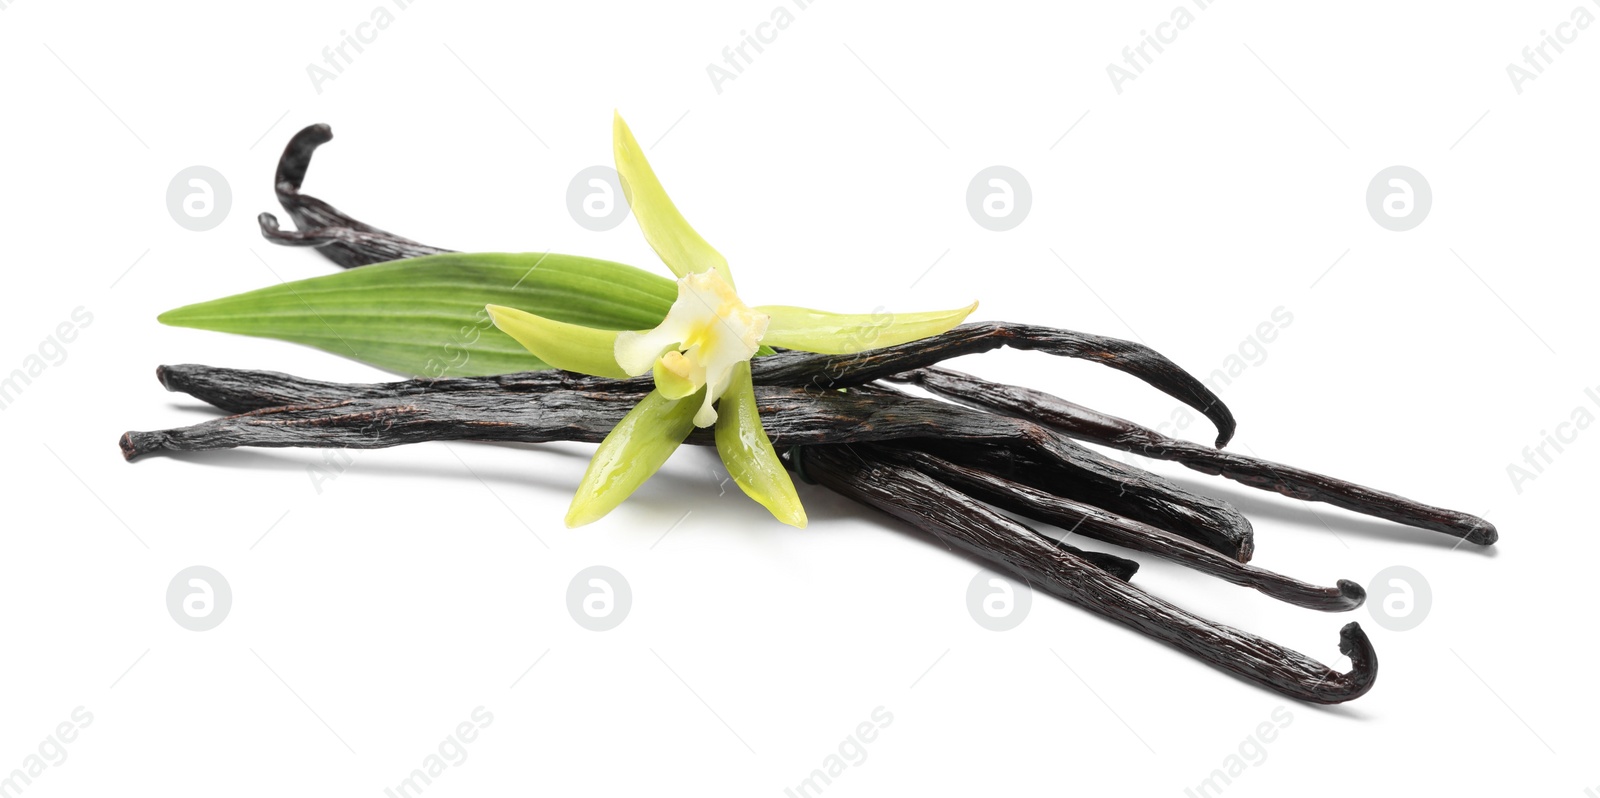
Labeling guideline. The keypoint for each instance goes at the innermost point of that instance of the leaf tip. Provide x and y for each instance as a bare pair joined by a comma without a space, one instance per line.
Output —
176,317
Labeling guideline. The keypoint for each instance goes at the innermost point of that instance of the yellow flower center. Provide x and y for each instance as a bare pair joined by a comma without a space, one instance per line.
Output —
707,332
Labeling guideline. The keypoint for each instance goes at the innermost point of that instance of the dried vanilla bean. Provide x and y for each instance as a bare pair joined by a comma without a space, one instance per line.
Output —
382,423
1013,549
1119,567
1091,425
1211,523
1095,522
833,371
339,237
242,390
543,406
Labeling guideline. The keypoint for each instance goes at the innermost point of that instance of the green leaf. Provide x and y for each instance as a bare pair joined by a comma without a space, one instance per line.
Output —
748,455
669,234
848,333
425,316
571,347
634,450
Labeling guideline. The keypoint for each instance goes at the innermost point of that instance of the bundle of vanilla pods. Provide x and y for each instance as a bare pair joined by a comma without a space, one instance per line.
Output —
948,468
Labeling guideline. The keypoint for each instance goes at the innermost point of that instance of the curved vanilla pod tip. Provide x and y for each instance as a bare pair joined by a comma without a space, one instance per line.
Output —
1137,360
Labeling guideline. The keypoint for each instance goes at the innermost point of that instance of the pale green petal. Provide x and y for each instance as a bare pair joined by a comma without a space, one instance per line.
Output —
847,333
636,351
572,347
636,448
669,234
748,455
670,383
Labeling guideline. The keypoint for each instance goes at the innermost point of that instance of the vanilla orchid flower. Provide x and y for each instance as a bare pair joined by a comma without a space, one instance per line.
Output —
699,357
707,333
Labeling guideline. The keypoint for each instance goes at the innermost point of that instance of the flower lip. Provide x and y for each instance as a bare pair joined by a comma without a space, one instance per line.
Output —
707,332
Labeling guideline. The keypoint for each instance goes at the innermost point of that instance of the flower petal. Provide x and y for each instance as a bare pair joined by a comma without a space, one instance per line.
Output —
634,450
572,347
721,355
748,454
675,377
669,234
847,333
636,351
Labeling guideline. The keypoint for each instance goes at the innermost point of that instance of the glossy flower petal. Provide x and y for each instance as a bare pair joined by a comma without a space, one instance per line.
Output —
633,451
570,347
748,455
669,234
848,333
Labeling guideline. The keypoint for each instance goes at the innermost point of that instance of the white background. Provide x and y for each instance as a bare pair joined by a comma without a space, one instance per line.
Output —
1229,179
